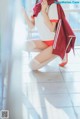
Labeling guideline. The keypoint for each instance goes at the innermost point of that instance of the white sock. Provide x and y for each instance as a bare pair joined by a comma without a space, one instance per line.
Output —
30,45
35,64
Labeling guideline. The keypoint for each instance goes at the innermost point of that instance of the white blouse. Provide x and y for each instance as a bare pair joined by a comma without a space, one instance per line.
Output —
44,32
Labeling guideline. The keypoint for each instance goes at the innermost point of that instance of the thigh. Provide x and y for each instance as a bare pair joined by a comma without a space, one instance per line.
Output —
40,44
45,55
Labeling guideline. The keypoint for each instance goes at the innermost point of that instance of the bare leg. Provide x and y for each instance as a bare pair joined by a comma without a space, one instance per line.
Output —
35,44
45,55
40,44
43,58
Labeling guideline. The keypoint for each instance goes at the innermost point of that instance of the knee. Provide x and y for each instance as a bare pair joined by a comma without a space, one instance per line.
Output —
29,46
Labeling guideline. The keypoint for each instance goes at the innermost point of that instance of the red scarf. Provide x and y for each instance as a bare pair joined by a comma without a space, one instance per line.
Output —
37,7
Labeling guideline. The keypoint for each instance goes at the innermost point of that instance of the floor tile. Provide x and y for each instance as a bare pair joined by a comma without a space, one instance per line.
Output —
75,99
73,87
78,51
63,113
72,59
70,68
47,88
51,112
56,100
71,76
77,110
37,76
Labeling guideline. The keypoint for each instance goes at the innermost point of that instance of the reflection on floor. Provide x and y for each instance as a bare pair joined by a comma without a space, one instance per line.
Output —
49,93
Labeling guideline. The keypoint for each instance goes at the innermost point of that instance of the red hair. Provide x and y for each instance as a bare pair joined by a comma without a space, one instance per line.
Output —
37,7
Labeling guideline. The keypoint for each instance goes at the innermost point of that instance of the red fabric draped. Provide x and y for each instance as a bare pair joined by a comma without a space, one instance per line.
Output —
64,39
37,7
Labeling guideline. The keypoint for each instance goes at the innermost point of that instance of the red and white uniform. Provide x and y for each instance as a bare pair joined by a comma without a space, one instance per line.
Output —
44,32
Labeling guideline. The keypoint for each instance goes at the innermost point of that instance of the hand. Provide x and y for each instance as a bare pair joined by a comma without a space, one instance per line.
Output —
44,6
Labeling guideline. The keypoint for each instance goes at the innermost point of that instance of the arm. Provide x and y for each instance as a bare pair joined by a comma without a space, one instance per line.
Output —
30,22
50,25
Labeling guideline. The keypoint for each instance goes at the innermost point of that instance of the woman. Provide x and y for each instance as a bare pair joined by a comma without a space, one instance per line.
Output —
45,21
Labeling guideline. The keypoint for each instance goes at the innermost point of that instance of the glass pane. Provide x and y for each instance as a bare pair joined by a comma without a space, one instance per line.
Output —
77,43
74,20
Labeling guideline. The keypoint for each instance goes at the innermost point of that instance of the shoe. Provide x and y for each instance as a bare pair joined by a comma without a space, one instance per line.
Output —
64,62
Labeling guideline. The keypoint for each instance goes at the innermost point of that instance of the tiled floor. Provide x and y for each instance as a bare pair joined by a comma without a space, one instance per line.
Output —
49,93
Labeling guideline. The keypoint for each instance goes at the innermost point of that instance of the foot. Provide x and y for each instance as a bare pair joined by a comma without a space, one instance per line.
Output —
65,61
